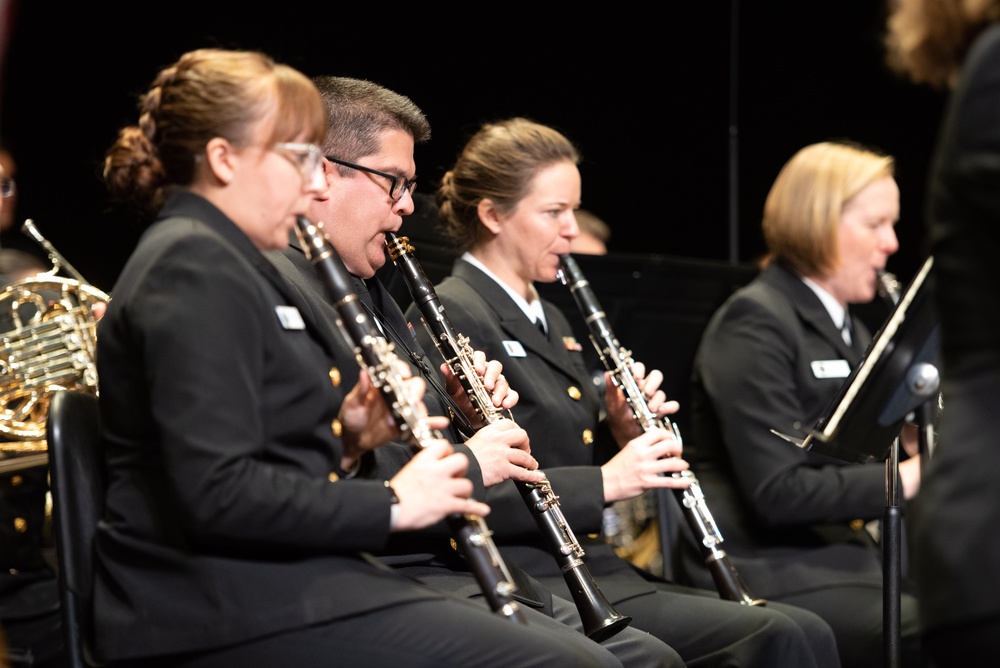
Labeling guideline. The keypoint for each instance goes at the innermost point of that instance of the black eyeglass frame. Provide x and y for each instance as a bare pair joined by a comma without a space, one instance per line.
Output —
396,180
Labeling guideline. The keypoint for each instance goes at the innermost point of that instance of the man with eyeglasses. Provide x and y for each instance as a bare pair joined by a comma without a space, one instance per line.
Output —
371,176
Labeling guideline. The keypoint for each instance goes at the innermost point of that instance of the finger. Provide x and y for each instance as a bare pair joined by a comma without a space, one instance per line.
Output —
524,475
479,362
438,422
510,399
473,507
491,371
522,459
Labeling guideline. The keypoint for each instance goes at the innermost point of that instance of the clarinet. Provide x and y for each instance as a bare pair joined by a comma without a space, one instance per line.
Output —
375,354
600,619
618,361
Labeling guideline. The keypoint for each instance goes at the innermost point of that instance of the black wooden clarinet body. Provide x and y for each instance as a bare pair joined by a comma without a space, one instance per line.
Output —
600,619
618,361
375,354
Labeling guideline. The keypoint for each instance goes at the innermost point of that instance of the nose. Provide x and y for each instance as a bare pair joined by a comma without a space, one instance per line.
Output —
315,183
889,241
571,228
404,206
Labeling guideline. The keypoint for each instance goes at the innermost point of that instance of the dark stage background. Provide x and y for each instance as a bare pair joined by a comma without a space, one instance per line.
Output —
677,158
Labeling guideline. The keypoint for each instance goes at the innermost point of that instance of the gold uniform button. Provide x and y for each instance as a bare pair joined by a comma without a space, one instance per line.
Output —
857,525
16,480
588,437
333,477
574,392
336,427
20,524
335,376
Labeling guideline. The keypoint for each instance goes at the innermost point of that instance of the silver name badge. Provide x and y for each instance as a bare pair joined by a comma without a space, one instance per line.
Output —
514,349
831,368
290,317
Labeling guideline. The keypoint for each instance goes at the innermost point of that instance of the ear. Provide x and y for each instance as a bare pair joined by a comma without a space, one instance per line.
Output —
489,216
220,157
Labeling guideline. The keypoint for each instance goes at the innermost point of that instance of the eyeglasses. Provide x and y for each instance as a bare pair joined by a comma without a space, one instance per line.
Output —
306,157
397,186
6,186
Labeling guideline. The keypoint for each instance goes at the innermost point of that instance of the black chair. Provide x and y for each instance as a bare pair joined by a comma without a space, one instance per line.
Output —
77,482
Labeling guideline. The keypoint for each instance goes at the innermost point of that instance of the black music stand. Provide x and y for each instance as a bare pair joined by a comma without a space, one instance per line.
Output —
897,378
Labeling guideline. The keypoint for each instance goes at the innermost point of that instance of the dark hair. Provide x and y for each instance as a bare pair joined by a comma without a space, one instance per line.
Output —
498,163
207,93
359,112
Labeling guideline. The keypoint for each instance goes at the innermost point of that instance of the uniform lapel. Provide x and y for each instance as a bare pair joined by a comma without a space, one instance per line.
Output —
812,312
512,319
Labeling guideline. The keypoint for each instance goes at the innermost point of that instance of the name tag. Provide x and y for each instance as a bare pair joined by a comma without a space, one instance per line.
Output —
290,317
831,368
514,349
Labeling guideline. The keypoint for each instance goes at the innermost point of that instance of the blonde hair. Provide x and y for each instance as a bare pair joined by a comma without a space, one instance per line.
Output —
802,211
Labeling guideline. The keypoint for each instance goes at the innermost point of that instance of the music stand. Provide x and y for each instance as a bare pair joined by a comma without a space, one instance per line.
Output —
897,377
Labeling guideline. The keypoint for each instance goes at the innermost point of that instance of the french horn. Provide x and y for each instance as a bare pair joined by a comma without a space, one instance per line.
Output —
47,344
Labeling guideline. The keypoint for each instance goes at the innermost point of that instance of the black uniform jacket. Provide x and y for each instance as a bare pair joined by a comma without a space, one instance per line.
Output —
771,358
958,508
227,514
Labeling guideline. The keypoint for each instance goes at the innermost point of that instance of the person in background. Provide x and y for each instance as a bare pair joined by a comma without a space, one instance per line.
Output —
508,202
233,532
773,357
30,626
955,46
9,170
11,236
373,127
593,237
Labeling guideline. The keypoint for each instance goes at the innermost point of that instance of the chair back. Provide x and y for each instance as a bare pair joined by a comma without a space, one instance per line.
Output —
77,480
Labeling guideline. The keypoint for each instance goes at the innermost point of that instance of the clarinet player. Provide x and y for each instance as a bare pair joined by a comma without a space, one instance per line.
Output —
508,204
774,356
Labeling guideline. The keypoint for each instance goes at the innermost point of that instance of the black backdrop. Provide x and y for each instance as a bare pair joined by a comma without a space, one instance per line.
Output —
648,96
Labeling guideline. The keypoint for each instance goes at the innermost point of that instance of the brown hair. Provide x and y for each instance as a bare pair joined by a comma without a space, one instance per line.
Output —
207,93
498,163
929,39
802,211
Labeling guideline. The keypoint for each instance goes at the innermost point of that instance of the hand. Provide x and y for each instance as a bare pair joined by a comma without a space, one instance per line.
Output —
365,420
502,451
638,465
501,394
368,422
909,476
621,419
432,486
909,438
